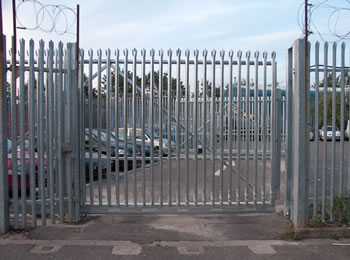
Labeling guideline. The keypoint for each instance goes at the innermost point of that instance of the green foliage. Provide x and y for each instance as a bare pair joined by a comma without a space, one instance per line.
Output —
334,236
329,110
292,235
346,233
156,82
341,212
316,221
330,102
341,209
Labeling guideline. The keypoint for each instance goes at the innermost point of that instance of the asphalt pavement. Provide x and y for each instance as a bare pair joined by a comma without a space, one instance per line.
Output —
212,236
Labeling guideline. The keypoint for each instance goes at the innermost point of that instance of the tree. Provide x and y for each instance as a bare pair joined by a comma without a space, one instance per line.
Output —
329,110
139,82
329,103
330,81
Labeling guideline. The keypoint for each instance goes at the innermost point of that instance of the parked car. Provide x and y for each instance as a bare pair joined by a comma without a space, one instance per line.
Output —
120,149
94,141
311,135
347,131
329,133
95,164
156,139
19,167
138,144
165,133
9,144
121,145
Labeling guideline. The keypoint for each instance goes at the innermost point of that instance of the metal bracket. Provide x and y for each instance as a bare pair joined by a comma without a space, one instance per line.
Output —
67,148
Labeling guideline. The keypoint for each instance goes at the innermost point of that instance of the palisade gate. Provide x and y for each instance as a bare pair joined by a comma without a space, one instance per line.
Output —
139,132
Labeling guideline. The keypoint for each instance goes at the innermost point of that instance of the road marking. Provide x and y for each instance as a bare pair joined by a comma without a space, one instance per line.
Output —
128,248
339,244
190,250
262,250
45,249
217,173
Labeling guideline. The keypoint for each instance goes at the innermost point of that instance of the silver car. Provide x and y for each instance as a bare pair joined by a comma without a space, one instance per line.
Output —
329,133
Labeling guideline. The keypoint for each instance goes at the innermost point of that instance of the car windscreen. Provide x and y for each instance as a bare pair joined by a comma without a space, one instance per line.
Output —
9,144
148,133
103,135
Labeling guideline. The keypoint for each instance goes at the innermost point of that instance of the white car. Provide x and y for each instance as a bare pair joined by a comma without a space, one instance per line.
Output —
347,131
329,133
311,135
156,139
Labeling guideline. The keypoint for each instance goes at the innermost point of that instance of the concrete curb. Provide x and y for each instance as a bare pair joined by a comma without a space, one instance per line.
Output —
324,232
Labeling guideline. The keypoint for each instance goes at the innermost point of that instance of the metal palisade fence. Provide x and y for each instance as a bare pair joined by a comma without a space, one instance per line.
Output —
317,158
329,175
42,134
141,132
193,160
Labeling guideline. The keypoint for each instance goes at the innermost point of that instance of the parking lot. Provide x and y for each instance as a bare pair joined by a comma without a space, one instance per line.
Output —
170,185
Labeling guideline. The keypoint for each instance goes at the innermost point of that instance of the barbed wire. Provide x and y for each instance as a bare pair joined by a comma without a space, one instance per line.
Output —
330,32
49,18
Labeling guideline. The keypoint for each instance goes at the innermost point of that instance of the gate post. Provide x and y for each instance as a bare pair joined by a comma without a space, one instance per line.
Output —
276,135
299,151
71,131
4,193
289,135
278,129
75,132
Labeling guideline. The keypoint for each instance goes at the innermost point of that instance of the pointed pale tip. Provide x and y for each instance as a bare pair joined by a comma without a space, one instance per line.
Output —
256,54
143,52
178,52
205,52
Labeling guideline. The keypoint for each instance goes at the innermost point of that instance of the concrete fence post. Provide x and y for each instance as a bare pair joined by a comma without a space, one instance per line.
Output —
4,193
299,151
75,133
288,157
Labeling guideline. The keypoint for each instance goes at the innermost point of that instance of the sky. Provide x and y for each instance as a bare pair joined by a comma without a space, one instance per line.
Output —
263,25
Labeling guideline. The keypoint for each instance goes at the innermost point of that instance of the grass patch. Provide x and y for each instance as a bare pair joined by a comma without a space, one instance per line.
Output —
292,235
